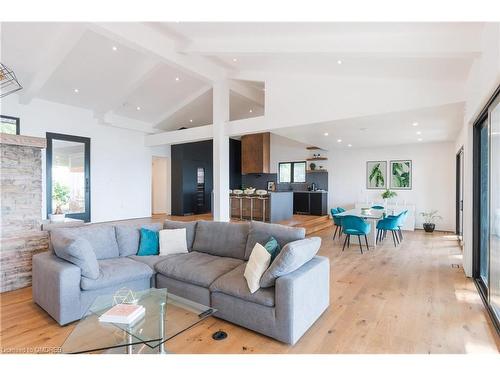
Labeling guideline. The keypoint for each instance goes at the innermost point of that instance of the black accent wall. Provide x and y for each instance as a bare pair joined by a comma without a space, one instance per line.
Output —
186,159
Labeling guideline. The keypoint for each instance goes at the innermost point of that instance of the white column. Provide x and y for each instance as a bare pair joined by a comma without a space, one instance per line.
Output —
220,207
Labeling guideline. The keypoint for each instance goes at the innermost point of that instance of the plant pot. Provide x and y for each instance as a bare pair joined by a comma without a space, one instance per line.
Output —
429,227
57,218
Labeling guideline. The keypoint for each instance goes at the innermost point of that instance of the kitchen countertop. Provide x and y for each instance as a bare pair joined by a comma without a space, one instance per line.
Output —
310,191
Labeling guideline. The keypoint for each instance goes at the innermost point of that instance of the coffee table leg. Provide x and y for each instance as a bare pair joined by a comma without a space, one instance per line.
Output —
130,348
161,347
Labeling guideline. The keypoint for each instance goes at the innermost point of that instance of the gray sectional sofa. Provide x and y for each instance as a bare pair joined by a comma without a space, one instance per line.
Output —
211,273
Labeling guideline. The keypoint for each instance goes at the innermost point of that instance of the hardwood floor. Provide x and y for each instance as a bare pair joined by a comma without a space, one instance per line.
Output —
409,299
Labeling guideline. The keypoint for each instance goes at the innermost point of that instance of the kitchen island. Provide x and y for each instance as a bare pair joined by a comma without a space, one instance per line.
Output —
273,207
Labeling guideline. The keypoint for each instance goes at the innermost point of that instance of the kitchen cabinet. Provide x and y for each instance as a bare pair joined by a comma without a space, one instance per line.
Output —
310,202
255,151
301,202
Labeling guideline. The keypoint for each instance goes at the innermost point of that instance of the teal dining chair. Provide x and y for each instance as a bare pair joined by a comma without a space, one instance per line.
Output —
355,226
337,220
340,209
401,219
390,223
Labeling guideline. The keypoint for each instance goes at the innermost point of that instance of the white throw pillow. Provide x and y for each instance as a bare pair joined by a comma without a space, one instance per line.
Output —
173,241
256,266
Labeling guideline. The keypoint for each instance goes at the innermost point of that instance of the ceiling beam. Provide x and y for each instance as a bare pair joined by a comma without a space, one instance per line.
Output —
146,39
55,53
200,133
430,45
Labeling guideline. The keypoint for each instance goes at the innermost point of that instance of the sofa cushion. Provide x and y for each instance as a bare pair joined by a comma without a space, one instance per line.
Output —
149,243
150,260
190,229
78,251
128,236
116,271
293,256
234,284
222,239
196,268
101,237
261,232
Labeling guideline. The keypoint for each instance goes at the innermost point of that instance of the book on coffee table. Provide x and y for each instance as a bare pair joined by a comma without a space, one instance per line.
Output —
123,314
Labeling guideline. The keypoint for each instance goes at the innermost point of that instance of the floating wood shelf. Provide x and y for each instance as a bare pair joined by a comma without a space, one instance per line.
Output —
314,159
313,148
316,170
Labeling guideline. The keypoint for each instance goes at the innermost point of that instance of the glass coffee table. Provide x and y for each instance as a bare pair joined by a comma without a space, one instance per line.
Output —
166,316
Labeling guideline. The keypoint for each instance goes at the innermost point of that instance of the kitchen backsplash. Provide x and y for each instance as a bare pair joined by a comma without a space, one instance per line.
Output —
259,181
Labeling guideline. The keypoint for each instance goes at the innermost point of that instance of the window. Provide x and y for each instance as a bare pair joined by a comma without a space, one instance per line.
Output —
9,125
291,172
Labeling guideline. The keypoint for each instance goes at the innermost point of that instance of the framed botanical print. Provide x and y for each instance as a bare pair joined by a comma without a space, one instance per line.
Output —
9,125
401,174
376,174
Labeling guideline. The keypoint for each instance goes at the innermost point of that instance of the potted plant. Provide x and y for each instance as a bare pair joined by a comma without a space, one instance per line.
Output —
429,220
60,196
388,194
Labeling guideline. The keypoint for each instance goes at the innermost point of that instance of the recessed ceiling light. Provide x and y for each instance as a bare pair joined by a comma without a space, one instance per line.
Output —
420,139
362,129
177,79
349,145
235,59
76,91
415,124
325,134
339,140
114,48
138,108
250,110
190,120
419,132
339,62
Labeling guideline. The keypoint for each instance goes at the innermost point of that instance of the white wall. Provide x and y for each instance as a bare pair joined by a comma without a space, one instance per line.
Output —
433,181
285,149
120,163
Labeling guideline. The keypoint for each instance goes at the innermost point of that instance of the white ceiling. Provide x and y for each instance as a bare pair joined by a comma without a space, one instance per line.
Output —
436,124
51,60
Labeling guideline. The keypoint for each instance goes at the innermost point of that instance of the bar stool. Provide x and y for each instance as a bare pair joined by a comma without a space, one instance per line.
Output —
263,197
237,195
250,198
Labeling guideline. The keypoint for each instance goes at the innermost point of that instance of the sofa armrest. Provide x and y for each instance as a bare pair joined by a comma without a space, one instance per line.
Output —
302,296
56,287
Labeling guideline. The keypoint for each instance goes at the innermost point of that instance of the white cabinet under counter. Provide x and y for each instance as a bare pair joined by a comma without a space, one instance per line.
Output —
409,223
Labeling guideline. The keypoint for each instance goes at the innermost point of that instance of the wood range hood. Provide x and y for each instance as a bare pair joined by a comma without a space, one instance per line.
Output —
255,153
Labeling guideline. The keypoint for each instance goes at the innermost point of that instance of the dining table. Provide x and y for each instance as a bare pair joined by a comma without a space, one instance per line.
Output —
372,216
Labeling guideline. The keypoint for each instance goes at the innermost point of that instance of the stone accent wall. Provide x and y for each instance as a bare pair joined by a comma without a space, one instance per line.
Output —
21,205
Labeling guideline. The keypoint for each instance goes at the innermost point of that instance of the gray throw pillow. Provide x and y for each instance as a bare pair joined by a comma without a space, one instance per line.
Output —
77,250
128,237
293,256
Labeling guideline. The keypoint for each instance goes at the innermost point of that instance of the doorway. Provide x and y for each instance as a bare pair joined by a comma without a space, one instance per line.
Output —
160,187
68,175
460,196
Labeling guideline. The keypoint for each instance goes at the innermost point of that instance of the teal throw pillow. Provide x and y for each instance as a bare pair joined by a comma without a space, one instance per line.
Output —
149,243
273,247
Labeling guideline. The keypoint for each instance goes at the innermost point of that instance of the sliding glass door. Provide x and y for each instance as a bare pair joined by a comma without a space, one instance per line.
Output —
494,239
68,176
486,260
